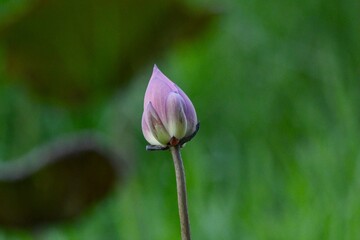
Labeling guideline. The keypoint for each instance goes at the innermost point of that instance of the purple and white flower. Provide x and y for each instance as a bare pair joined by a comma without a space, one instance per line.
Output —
169,116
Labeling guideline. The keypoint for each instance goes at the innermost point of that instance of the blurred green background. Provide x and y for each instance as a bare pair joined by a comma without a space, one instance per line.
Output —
275,85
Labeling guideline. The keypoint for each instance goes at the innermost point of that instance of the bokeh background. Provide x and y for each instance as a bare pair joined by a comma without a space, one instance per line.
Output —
275,84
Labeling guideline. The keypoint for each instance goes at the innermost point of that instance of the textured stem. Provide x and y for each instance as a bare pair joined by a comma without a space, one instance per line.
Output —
181,193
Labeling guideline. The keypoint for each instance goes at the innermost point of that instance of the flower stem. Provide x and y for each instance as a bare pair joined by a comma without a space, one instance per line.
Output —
181,192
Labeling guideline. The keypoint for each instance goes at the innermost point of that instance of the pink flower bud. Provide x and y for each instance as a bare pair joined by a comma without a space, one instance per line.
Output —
169,116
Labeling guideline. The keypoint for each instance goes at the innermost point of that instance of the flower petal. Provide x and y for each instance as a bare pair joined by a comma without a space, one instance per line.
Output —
158,89
146,131
190,114
156,126
175,115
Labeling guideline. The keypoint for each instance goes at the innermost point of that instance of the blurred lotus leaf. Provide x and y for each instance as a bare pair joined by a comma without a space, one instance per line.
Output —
57,182
77,52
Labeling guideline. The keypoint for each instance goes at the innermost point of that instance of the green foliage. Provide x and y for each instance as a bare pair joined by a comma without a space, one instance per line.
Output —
276,89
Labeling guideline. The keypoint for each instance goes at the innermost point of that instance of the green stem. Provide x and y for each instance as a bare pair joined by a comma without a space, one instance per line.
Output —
181,193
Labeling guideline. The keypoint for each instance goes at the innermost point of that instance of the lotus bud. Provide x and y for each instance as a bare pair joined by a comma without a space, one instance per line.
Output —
169,117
